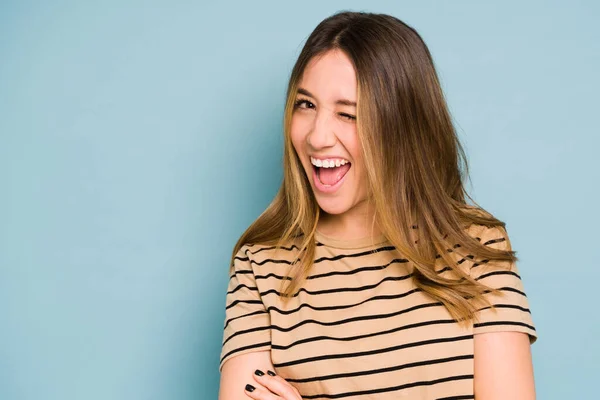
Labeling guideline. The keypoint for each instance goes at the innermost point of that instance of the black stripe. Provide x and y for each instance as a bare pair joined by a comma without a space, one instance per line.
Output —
363,336
319,244
272,261
390,389
383,370
368,335
252,346
245,302
492,241
244,331
329,308
340,290
498,273
341,307
353,255
242,316
361,318
241,272
243,285
509,289
437,255
527,310
462,260
460,397
280,277
492,323
292,247
321,259
251,245
333,273
477,264
371,352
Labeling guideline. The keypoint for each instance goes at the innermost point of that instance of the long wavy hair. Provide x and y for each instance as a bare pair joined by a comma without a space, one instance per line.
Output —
416,166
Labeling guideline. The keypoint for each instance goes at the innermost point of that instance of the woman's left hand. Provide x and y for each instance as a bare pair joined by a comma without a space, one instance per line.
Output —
272,387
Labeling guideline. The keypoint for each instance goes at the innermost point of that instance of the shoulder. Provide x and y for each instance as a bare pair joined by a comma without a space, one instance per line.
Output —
490,236
494,236
267,254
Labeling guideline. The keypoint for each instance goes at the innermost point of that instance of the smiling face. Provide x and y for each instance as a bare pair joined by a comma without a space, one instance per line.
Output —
323,132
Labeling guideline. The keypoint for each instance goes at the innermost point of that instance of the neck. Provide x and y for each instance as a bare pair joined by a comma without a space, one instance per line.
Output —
353,224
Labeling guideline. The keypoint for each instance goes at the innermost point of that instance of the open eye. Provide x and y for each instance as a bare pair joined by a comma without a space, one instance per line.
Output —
303,103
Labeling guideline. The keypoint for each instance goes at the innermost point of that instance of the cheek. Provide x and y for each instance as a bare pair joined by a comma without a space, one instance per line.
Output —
353,146
298,132
349,139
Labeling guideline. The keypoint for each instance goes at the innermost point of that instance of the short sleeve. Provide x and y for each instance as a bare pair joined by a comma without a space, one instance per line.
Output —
247,322
511,309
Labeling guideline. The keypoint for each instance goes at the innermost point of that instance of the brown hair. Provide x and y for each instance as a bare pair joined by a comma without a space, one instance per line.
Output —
415,163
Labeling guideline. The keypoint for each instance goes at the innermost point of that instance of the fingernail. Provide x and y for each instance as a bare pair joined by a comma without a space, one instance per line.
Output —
259,372
250,388
270,372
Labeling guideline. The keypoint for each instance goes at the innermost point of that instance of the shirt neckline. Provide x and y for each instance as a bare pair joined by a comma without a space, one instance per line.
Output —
358,243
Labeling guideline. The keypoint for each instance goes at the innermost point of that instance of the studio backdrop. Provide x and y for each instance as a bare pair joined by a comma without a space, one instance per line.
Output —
138,139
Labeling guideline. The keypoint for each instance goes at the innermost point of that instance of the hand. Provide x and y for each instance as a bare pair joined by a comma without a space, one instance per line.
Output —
278,388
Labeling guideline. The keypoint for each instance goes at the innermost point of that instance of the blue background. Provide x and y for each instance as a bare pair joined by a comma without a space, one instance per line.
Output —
139,139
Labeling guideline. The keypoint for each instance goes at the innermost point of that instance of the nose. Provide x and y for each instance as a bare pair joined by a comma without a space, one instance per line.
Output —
322,134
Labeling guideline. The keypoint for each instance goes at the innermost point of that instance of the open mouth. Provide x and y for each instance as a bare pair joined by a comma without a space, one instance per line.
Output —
329,179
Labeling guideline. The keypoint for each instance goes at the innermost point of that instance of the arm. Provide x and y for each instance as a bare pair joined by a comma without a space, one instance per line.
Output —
246,344
503,366
238,371
503,335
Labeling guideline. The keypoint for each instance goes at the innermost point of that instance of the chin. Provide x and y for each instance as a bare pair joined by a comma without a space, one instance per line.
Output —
334,207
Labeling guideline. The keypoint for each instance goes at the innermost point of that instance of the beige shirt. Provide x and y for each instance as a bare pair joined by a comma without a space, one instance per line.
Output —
359,328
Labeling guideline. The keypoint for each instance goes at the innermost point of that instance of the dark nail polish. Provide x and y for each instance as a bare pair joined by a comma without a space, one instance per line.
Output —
259,372
271,373
250,388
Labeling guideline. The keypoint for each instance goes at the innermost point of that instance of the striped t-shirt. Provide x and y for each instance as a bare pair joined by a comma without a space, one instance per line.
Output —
359,328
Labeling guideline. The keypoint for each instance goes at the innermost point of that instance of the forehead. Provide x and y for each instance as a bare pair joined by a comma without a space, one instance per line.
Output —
330,76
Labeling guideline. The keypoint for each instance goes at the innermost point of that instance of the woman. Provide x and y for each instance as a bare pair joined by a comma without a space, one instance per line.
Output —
369,276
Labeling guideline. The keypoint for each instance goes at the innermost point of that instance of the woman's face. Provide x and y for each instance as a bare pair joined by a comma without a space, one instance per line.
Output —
323,132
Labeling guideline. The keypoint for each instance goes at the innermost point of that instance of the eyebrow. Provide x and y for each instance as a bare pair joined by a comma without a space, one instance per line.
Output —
341,102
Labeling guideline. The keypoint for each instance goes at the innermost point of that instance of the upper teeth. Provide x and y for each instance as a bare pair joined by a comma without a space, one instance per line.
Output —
329,163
